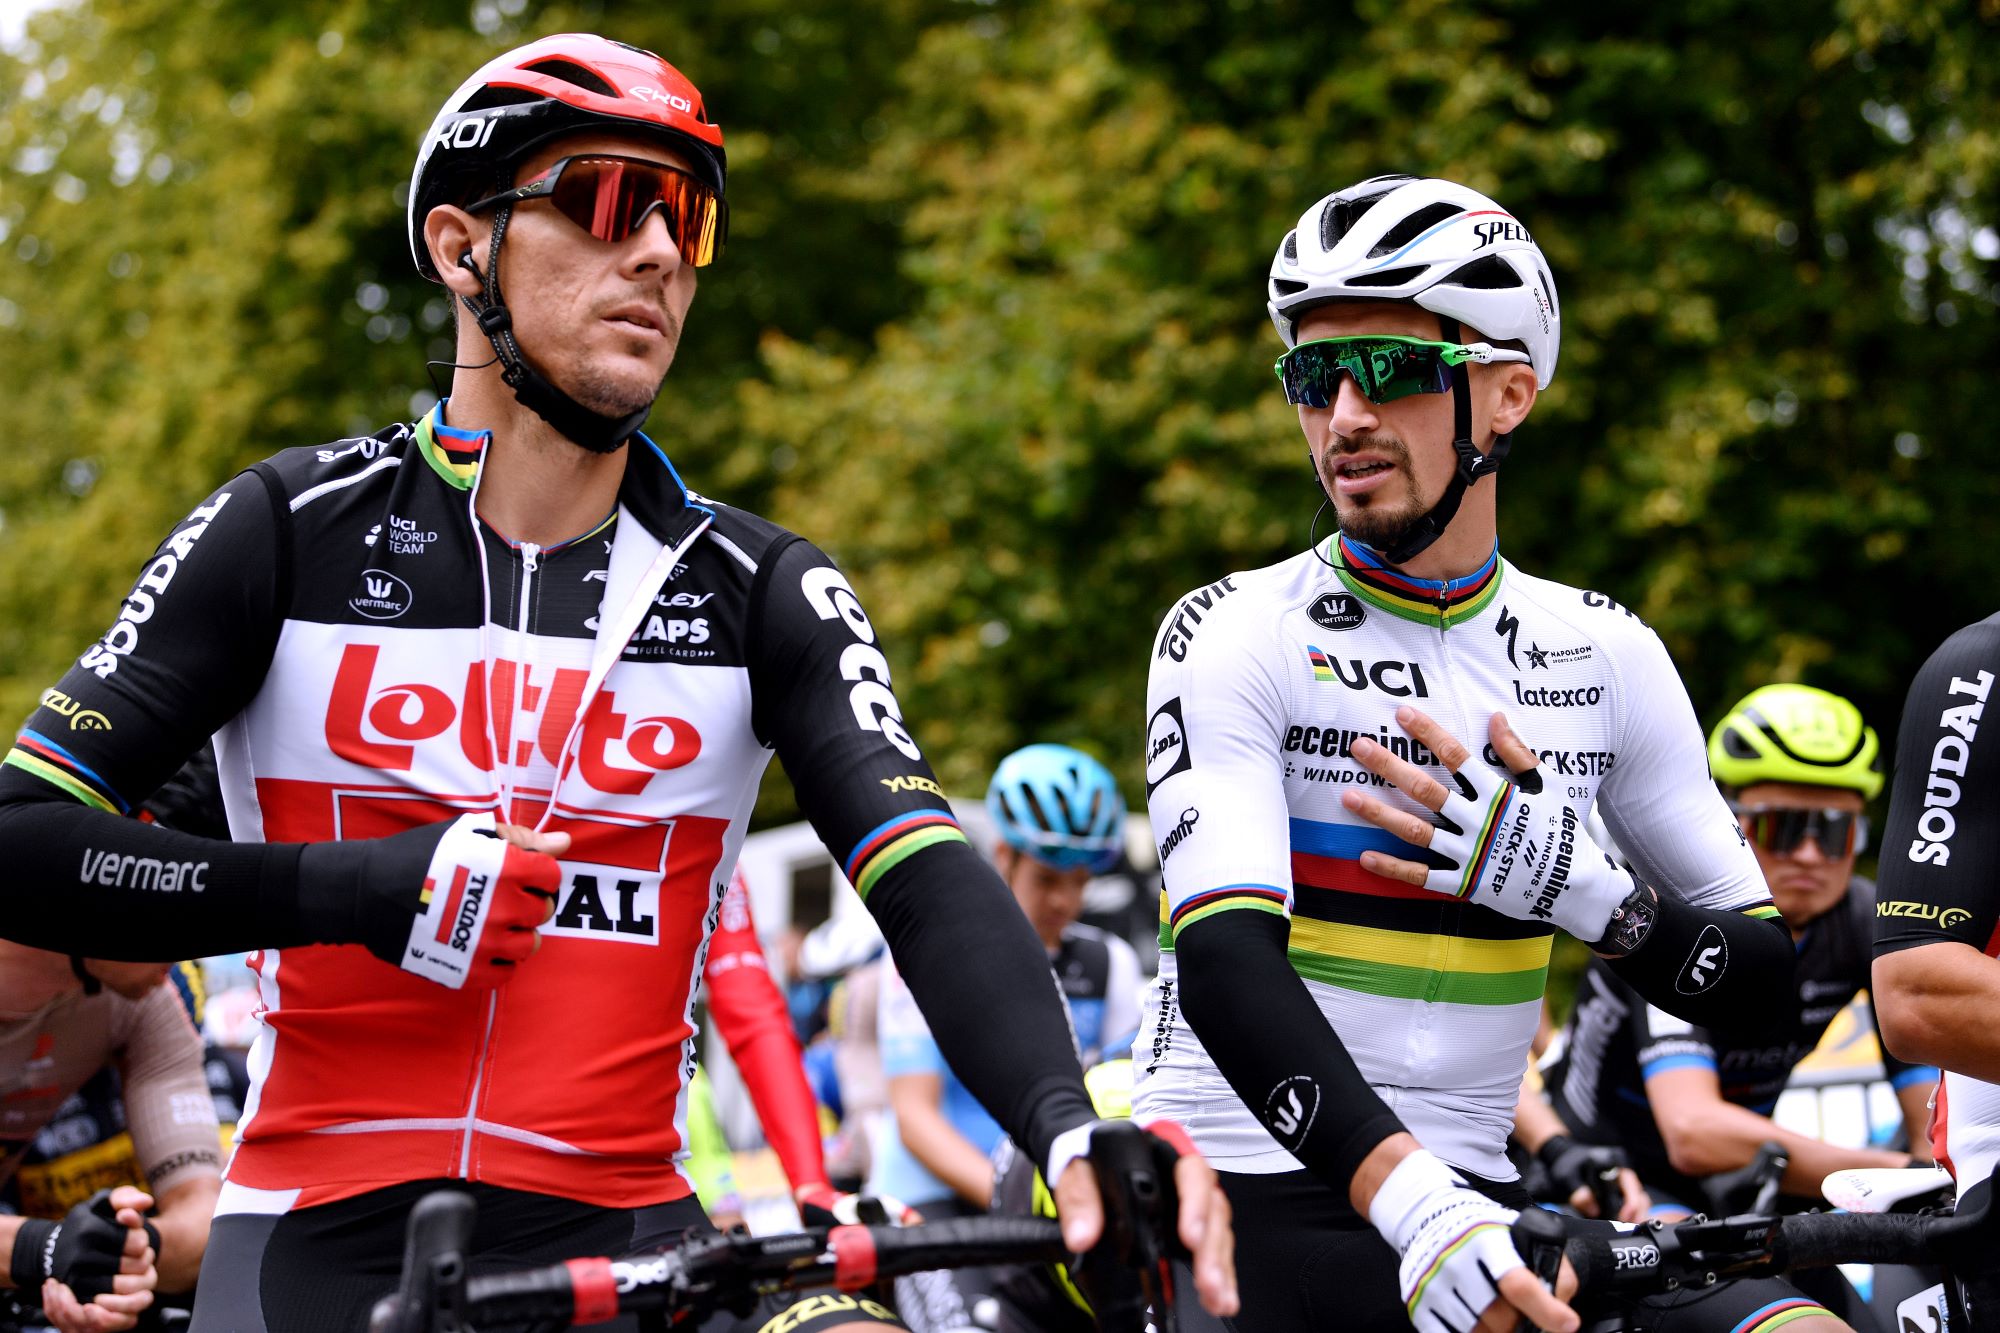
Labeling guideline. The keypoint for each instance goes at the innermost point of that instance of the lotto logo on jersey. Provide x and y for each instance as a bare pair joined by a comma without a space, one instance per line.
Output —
381,726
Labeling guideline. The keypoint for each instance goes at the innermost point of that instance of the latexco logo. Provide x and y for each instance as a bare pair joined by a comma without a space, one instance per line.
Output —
1180,629
383,596
1166,744
1540,696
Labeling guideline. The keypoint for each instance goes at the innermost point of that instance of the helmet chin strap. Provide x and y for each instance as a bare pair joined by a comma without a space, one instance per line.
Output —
1472,465
591,430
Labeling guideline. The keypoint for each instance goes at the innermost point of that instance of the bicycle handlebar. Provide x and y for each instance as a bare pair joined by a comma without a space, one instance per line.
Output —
706,1271
1659,1257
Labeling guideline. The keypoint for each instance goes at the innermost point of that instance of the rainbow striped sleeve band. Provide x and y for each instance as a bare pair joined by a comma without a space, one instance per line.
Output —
1779,1313
892,843
37,754
1257,897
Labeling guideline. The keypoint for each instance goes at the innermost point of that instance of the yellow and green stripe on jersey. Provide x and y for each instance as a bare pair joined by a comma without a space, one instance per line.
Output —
37,754
1443,603
894,841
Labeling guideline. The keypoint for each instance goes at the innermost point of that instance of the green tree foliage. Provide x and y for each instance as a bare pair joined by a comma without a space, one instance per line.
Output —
990,326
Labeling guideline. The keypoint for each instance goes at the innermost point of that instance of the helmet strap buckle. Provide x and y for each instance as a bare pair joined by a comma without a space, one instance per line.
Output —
1472,465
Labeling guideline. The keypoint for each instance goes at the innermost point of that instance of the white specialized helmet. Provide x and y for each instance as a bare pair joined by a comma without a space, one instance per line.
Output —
1439,245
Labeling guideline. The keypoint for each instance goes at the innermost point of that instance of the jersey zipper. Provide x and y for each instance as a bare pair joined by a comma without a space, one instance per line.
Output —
530,562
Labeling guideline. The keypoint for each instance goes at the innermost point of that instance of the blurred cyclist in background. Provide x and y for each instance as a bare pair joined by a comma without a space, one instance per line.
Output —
1799,766
1060,819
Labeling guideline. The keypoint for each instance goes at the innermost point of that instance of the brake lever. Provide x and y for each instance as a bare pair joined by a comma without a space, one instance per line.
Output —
1141,1208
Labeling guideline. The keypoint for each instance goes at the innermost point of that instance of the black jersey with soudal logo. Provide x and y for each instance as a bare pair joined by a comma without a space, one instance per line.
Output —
1615,1041
370,658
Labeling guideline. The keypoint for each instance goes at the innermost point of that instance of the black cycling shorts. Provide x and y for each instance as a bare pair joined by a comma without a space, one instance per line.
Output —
320,1270
1306,1260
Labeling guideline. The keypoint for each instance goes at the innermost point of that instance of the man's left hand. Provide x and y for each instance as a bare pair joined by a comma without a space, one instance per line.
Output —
1203,1224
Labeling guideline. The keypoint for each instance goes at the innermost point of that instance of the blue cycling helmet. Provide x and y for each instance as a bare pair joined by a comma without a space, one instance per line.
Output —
1059,806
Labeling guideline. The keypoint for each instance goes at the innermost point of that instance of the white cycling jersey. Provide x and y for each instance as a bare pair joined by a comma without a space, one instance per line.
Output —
1260,684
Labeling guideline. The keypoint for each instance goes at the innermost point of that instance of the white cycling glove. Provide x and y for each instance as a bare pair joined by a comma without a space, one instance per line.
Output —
1526,854
1455,1243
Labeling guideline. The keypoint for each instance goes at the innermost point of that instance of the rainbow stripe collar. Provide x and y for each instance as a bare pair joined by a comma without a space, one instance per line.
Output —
1439,602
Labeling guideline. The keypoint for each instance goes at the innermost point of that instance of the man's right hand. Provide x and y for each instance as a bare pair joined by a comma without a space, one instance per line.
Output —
457,903
1460,1269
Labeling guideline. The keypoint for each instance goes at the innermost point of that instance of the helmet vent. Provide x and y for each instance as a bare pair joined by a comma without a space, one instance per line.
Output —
1491,273
1292,245
1413,226
1736,747
1390,277
1287,287
571,72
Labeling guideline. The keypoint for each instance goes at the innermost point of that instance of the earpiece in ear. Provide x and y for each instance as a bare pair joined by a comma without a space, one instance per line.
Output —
465,262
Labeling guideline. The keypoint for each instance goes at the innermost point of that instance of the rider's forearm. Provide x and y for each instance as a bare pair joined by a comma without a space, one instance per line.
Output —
1722,970
10,1227
931,1139
1922,997
86,879
1260,1025
183,1219
1722,1136
983,982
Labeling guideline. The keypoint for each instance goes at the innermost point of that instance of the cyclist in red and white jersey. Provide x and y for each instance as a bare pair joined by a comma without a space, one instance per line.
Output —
492,693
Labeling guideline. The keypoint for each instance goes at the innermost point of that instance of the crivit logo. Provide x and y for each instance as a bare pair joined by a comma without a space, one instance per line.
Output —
1166,744
874,703
383,596
379,727
1599,600
1178,834
142,601
1946,917
1180,628
1949,759
1338,611
1706,962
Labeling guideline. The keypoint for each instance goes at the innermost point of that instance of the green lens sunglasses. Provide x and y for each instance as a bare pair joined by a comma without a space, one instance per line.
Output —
1385,367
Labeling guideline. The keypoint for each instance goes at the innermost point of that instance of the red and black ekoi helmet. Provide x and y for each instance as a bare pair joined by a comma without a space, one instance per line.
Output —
565,84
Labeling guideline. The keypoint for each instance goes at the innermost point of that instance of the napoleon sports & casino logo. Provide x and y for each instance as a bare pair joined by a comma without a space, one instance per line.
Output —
380,725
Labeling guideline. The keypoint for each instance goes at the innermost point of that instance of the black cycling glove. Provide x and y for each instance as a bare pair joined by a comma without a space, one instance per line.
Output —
83,1251
1588,1166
